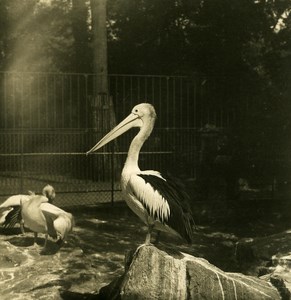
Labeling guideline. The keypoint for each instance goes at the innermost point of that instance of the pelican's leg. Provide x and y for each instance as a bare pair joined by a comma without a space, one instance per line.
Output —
45,242
22,226
157,238
44,249
148,236
35,238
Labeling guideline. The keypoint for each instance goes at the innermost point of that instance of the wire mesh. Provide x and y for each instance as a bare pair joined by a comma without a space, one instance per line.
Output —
47,125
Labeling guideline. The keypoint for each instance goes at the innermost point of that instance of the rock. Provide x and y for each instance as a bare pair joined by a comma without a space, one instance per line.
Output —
268,255
151,273
281,274
280,284
252,254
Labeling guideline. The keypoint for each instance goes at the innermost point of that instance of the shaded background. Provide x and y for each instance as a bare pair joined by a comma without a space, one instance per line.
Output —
218,73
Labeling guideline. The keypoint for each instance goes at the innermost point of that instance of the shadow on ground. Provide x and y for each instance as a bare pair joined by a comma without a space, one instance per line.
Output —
94,254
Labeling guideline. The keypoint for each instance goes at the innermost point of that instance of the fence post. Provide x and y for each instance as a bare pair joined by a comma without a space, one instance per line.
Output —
112,174
22,164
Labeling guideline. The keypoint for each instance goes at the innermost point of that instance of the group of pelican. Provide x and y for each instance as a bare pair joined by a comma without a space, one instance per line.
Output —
156,199
37,213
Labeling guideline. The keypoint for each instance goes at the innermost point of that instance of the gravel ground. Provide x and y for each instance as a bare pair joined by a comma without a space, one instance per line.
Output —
94,254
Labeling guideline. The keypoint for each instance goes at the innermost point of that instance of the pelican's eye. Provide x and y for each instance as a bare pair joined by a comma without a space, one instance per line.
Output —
136,111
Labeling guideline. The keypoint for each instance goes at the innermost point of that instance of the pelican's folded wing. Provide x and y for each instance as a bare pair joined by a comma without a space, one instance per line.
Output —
177,214
13,217
14,200
64,224
10,210
4,211
59,221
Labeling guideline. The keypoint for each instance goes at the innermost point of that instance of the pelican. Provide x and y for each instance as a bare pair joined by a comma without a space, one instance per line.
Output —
158,201
10,209
40,216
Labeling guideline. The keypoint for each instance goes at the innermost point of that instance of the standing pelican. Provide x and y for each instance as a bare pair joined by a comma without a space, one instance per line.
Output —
158,202
10,213
40,216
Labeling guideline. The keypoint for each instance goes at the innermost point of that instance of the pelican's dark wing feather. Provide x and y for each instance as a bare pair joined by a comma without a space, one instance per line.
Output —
180,218
13,217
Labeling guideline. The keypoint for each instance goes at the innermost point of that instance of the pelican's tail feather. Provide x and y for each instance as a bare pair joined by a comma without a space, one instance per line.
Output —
64,224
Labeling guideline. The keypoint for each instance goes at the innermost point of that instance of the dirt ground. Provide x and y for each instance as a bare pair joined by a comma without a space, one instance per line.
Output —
94,253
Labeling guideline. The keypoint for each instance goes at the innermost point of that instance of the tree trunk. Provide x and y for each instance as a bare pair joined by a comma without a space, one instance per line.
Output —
102,104
80,33
98,9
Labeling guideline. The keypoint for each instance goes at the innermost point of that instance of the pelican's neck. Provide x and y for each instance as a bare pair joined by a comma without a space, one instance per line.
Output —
136,145
134,150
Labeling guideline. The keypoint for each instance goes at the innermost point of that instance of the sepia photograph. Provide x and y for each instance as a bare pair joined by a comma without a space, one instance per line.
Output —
145,149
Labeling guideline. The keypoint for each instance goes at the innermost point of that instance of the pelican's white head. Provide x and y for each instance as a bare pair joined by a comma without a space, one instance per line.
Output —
144,111
142,115
49,192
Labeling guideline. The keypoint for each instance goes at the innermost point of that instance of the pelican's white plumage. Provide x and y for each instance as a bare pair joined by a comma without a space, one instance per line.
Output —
10,209
150,198
157,200
42,217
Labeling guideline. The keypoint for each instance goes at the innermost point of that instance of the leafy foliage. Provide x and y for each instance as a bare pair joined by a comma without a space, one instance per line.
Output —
37,36
245,45
151,37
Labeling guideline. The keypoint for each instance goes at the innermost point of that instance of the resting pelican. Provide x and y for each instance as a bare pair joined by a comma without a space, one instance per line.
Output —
10,208
158,201
40,216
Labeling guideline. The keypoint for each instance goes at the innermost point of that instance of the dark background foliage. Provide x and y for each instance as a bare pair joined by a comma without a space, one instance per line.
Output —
234,41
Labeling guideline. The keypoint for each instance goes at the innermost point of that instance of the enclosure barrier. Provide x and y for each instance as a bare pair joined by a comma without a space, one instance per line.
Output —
28,163
48,121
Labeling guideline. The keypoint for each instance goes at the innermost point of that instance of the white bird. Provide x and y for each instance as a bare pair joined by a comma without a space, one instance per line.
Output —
42,217
10,213
158,201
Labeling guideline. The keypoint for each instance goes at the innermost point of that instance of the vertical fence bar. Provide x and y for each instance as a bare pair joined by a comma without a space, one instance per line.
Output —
153,90
182,111
131,89
62,101
112,173
167,97
55,92
138,87
174,101
188,103
5,110
86,124
145,88
195,102
22,163
160,92
13,102
123,91
71,105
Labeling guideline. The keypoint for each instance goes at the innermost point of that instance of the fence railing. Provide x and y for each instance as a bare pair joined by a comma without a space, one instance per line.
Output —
29,159
53,100
46,126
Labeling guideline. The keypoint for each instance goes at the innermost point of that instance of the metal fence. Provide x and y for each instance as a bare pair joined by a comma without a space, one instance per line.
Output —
47,124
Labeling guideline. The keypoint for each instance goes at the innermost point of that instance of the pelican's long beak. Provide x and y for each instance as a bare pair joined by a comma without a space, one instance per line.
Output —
131,121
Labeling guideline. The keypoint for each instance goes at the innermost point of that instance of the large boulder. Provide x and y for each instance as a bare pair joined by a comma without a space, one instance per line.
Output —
268,257
152,273
253,254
